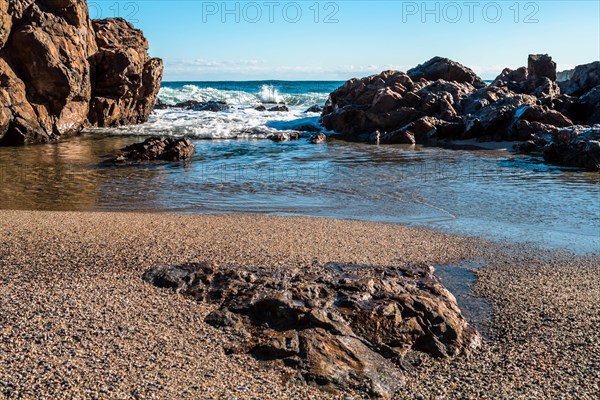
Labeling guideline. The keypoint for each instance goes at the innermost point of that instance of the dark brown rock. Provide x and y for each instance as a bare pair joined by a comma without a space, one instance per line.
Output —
583,79
280,108
541,66
157,148
340,325
446,69
575,147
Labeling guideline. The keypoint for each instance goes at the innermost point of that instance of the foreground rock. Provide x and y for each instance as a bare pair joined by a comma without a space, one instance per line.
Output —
61,72
339,325
157,148
441,100
575,147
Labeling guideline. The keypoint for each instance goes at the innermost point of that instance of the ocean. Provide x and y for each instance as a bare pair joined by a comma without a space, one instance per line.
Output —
494,194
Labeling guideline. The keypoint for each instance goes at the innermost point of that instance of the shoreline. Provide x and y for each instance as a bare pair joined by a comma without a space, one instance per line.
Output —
79,320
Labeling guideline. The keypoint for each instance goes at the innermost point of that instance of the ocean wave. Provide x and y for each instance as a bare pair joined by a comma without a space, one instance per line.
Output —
246,97
232,124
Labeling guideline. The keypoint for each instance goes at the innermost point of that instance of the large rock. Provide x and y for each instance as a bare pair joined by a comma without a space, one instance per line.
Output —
446,69
339,325
126,80
73,76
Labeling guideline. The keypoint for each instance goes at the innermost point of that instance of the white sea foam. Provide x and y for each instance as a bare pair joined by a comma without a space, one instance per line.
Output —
240,121
232,124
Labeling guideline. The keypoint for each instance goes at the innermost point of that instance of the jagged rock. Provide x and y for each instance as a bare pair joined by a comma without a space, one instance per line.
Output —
73,73
575,146
339,325
157,148
280,108
318,138
314,109
583,79
541,66
493,120
446,69
125,79
509,76
260,108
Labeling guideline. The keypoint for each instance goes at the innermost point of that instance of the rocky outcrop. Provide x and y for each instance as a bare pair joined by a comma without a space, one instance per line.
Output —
442,100
339,325
125,79
157,148
59,72
446,69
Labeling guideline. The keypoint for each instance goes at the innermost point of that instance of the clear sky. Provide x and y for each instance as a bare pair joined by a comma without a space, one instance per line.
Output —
338,40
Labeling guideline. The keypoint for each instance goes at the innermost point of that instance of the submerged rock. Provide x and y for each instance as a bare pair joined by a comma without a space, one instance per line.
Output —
61,72
339,325
318,138
280,108
157,148
284,136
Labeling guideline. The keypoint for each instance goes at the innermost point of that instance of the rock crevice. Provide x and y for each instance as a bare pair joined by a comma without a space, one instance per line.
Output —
339,325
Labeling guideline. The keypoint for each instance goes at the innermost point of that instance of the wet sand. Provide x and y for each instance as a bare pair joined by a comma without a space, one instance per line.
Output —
77,321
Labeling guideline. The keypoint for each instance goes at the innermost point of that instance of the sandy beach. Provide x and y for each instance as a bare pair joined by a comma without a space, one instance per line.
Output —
77,321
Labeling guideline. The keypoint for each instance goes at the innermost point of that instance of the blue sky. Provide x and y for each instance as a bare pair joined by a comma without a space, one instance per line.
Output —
325,40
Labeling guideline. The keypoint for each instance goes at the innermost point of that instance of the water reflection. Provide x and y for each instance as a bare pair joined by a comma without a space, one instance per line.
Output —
490,193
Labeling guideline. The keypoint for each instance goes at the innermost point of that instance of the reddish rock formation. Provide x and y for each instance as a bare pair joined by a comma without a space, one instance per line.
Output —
442,100
59,72
339,325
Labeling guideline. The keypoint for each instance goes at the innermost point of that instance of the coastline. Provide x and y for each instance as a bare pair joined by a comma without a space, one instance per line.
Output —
79,320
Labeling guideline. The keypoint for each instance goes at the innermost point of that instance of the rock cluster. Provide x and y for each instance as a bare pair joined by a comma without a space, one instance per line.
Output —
157,148
61,72
339,325
443,100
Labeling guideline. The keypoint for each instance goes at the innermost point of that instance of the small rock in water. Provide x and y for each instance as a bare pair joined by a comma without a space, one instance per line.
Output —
314,109
157,148
318,138
285,136
340,325
260,108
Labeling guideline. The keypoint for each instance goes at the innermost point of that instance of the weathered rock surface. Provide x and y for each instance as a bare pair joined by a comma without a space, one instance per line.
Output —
443,100
446,69
157,148
339,325
582,79
575,146
60,72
